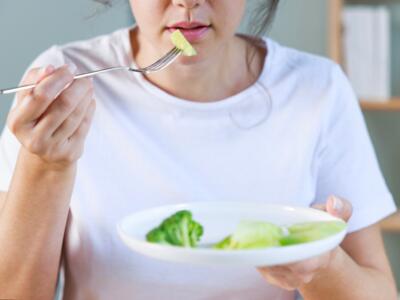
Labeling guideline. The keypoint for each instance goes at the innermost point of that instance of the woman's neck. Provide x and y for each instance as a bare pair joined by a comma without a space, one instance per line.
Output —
224,74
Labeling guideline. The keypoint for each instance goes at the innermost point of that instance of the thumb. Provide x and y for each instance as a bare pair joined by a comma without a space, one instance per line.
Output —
339,207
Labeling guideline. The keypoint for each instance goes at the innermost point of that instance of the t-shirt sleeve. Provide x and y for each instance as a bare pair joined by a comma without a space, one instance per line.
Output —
9,145
347,163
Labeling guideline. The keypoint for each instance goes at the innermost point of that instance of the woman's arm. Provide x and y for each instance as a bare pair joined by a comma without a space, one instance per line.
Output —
51,123
32,225
2,200
358,270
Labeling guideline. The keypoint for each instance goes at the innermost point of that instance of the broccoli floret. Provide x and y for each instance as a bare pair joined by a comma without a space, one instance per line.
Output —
157,236
178,230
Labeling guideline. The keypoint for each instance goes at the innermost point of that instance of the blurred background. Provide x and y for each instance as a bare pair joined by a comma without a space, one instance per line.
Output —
324,27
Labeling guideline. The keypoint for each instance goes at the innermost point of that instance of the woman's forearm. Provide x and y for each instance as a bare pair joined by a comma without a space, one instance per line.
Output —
32,225
344,279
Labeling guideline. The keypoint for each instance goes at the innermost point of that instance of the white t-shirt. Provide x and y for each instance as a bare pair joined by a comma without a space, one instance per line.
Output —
295,137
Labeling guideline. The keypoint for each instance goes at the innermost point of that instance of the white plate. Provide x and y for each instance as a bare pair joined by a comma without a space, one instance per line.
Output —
220,219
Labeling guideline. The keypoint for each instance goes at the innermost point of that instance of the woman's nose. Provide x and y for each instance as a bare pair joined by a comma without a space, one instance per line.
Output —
189,4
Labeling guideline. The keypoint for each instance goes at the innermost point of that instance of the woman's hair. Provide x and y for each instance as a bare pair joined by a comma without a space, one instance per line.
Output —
261,17
105,2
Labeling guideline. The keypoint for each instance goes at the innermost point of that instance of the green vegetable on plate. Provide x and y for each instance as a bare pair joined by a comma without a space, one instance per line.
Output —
181,230
177,230
252,235
311,231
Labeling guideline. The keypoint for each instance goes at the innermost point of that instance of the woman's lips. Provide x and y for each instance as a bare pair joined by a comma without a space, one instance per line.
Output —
192,34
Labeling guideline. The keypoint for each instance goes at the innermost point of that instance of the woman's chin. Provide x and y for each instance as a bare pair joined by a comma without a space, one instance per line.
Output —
191,60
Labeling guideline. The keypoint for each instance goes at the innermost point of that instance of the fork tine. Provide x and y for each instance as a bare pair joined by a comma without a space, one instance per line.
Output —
161,62
170,55
164,64
164,61
168,61
174,54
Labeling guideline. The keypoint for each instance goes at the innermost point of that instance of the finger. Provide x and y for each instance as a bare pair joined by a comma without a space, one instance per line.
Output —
84,127
340,208
44,72
299,273
276,269
320,206
46,92
310,266
275,278
74,120
59,111
34,76
73,147
282,280
292,282
281,273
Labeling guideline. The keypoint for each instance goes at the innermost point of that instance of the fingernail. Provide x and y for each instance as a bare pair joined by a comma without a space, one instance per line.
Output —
337,204
49,69
45,71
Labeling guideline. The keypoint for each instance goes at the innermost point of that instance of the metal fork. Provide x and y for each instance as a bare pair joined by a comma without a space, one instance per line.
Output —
159,65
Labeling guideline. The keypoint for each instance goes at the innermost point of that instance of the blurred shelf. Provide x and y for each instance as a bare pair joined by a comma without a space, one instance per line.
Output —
390,105
392,223
335,26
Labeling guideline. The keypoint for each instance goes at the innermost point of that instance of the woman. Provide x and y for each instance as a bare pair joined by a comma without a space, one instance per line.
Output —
246,119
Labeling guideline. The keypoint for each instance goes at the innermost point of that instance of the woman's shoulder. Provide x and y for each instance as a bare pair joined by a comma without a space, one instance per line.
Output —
311,80
300,64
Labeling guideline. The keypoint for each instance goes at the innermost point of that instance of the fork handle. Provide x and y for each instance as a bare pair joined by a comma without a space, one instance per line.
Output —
83,75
